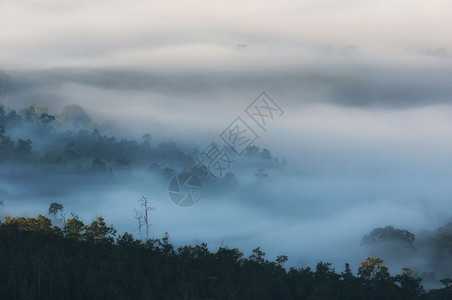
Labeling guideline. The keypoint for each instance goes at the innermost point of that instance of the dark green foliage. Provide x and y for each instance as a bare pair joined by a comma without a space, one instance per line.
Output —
398,245
99,165
5,85
266,154
389,234
411,286
54,208
41,261
23,147
84,149
438,248
46,118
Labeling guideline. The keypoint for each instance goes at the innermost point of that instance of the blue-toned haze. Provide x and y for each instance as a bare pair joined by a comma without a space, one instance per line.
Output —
365,86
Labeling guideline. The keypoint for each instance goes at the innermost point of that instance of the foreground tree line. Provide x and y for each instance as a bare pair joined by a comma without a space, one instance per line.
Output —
429,251
88,261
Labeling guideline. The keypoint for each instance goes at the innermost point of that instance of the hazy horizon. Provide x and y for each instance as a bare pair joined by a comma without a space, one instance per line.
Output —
366,130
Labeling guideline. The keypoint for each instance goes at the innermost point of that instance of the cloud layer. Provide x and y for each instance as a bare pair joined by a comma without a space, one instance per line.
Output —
198,35
365,87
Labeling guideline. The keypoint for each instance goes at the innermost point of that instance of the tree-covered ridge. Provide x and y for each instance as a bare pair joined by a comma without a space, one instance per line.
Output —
71,141
428,252
87,261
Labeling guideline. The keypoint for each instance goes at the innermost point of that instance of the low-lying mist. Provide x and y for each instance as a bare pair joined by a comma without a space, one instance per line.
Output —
336,171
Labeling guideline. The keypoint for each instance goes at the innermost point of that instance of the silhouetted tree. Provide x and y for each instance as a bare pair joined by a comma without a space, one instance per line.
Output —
143,215
389,234
55,208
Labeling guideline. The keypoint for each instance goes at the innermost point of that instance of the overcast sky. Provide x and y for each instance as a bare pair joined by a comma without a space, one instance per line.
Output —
205,34
365,85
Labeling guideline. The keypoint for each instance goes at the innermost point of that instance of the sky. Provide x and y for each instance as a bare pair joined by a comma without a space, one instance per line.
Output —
365,87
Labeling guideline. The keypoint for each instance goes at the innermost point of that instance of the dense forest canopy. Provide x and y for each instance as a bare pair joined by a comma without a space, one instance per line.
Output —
126,267
72,141
290,149
88,261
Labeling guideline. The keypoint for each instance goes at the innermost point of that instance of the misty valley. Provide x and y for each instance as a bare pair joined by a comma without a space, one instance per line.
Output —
225,150
46,158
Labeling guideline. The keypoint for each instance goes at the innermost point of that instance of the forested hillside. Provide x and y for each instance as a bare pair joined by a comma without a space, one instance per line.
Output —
72,142
39,260
87,261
